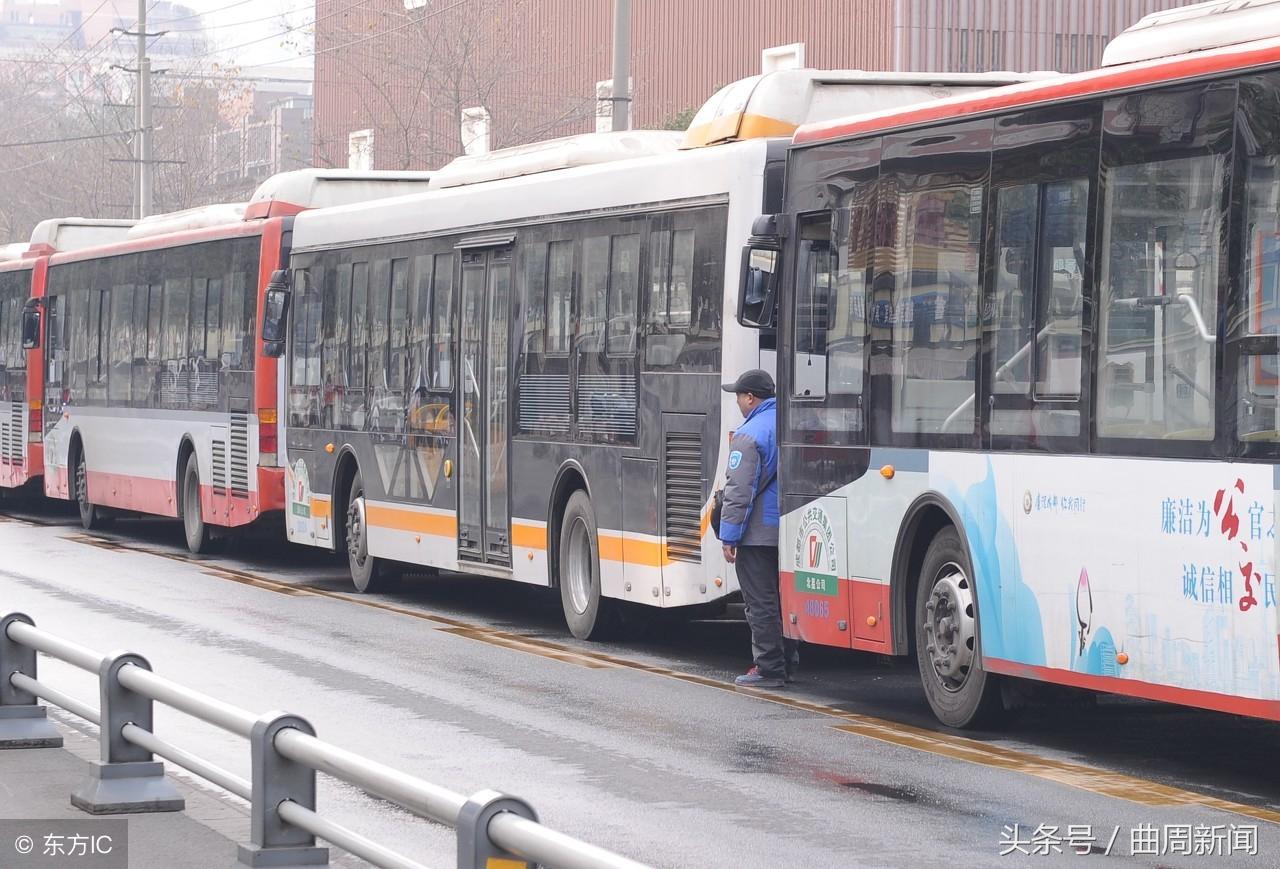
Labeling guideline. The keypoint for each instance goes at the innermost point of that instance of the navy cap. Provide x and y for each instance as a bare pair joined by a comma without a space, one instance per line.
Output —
756,381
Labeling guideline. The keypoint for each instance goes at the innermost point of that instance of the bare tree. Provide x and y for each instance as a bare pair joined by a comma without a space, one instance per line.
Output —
428,64
67,146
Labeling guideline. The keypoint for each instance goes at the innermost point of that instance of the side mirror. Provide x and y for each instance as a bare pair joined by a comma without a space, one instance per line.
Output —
275,314
31,325
757,300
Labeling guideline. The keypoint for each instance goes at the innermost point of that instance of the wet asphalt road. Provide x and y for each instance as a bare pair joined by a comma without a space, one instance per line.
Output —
636,745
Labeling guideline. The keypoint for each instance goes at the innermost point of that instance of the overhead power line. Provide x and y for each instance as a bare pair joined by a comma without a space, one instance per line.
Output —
68,139
316,53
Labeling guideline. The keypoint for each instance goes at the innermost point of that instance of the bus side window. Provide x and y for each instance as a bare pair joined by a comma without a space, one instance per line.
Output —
1164,170
1255,332
935,187
337,302
442,325
684,301
813,305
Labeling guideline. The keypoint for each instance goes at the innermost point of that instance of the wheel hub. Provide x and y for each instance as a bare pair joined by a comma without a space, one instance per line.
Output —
579,566
949,627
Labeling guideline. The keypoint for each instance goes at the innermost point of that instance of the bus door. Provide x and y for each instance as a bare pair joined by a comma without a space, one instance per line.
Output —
484,512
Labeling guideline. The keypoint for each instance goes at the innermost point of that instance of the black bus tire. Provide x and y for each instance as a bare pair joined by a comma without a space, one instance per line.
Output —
960,692
369,573
92,516
586,611
199,534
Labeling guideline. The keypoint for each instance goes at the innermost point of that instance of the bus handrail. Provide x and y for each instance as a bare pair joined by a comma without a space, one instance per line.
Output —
286,756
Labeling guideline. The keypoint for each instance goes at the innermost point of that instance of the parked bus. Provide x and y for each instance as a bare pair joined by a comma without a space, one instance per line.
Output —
22,273
1028,377
155,400
517,373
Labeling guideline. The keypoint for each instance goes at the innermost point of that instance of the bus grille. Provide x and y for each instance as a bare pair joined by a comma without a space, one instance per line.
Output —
544,403
12,448
683,513
239,455
607,404
220,466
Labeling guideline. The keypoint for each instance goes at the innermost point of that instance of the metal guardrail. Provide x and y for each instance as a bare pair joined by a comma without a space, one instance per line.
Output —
493,829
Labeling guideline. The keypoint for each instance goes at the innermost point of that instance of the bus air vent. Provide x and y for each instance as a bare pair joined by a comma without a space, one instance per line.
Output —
683,503
12,437
607,404
220,466
239,455
544,403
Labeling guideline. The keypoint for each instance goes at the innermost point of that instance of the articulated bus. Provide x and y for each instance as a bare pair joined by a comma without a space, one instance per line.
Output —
516,374
1028,377
155,400
22,273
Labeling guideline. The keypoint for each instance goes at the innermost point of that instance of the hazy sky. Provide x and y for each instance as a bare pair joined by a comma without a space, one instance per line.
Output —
249,32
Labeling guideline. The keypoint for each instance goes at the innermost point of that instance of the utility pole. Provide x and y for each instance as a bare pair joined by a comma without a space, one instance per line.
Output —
143,150
143,161
621,95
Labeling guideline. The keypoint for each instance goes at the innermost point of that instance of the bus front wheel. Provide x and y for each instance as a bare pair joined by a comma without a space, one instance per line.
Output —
960,692
586,611
369,573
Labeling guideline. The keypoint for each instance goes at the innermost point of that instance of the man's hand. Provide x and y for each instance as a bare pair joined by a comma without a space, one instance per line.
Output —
730,553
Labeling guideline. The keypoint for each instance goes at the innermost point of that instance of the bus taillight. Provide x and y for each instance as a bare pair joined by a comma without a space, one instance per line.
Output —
35,421
267,440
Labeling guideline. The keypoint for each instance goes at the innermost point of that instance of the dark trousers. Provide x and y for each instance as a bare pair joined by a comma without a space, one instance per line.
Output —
758,578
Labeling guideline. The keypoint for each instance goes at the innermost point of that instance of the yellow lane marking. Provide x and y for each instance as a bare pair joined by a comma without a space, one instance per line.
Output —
1076,775
457,627
1093,779
522,644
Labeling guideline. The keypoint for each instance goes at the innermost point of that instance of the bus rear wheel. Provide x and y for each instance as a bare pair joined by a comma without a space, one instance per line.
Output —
199,534
91,515
369,573
589,615
960,692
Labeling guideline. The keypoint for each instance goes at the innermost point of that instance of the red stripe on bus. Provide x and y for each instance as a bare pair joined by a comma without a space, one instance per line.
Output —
127,492
1095,82
159,497
1134,688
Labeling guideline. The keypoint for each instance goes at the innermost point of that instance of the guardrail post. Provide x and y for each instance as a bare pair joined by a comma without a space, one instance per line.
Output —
24,723
273,841
127,778
475,848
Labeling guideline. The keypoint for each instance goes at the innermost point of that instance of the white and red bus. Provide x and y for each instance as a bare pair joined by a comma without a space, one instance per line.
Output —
22,274
155,399
1028,357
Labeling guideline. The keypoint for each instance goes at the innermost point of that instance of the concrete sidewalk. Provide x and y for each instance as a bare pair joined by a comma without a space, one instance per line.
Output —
36,784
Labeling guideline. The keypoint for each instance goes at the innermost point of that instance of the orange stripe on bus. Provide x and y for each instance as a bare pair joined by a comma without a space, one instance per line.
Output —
628,550
321,508
529,536
739,125
409,520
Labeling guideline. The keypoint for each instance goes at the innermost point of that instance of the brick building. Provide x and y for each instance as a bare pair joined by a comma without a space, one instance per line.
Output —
394,78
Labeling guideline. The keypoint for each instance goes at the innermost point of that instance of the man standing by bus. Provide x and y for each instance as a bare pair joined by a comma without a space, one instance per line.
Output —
749,529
